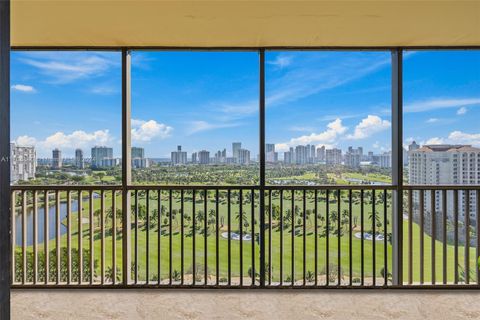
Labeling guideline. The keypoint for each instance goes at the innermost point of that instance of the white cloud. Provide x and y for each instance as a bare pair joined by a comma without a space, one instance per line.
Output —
327,137
76,139
199,126
432,120
24,88
462,111
66,67
369,126
459,137
145,131
67,142
25,141
281,61
440,103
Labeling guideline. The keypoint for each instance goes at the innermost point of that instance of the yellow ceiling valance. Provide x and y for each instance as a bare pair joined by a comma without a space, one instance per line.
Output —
73,23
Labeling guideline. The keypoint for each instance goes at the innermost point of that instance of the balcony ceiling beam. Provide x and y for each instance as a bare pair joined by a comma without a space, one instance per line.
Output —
244,24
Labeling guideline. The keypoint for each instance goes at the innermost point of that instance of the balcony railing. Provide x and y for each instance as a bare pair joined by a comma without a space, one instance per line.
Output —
243,236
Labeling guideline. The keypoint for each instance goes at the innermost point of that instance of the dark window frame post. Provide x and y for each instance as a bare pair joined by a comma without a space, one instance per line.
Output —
5,199
397,167
126,165
262,164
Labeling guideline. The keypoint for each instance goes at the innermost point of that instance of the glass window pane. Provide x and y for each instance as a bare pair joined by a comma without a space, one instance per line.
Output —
195,118
328,117
441,112
63,105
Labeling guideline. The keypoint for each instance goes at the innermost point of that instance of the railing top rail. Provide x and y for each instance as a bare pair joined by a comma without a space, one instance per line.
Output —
441,187
65,187
243,187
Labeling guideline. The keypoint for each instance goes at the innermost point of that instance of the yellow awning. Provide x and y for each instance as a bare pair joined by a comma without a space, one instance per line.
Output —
73,23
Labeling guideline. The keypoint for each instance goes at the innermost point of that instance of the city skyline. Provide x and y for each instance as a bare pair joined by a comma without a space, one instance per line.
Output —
343,99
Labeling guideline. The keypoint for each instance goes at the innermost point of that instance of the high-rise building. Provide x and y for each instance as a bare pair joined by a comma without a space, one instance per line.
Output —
301,154
204,157
179,157
23,162
333,156
103,157
445,165
138,158
321,154
138,152
194,157
269,147
57,159
235,147
221,156
385,160
353,157
79,161
312,156
243,156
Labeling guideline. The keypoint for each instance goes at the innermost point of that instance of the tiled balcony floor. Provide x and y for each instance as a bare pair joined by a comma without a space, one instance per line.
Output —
244,304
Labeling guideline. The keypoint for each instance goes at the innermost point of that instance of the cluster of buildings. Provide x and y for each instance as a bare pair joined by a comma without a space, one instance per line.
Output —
239,156
353,157
24,160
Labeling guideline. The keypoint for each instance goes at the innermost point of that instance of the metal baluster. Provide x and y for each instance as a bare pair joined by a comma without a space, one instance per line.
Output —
362,240
316,235
102,239
241,237
46,236
205,236
147,243
170,243
69,237
350,238
229,222
159,236
80,237
193,238
339,242
422,234
114,236
467,236
281,237
252,207
374,234
444,234
327,237
304,237
182,238
455,218
270,237
35,237
410,236
433,231
92,248
385,251
293,237
217,238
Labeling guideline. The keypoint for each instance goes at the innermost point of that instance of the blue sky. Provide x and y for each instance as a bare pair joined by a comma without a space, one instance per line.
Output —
207,100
